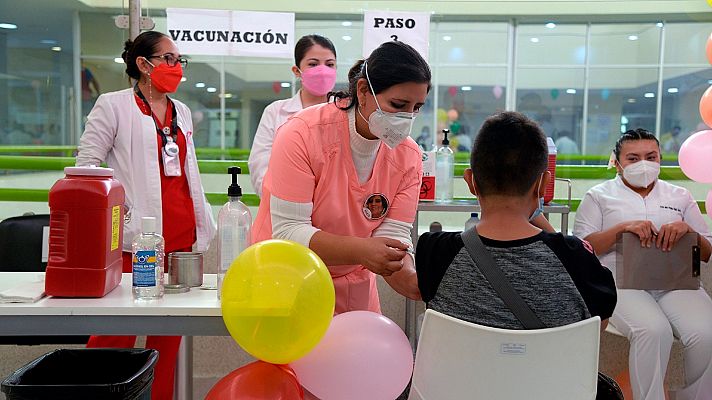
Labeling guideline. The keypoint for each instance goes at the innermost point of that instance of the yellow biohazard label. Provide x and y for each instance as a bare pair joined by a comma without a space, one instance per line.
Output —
115,217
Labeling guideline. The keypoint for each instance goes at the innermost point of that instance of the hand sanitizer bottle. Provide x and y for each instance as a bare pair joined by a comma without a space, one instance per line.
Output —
234,222
444,170
148,253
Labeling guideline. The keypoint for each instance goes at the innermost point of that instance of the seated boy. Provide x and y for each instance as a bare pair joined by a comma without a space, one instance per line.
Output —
558,276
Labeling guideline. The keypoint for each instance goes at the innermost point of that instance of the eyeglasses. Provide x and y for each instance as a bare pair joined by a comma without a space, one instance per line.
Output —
171,60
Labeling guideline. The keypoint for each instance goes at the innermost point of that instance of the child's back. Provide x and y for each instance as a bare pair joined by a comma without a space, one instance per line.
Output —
558,276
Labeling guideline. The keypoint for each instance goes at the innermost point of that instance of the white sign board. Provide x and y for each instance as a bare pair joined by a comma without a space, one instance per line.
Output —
408,27
231,33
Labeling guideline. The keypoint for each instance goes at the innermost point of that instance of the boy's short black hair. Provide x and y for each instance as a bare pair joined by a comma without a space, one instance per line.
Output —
631,135
509,155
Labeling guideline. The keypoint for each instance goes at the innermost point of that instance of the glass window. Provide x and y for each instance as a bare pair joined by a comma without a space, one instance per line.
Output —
685,43
554,98
549,79
102,69
200,91
36,75
100,36
631,44
682,90
466,97
619,99
560,44
460,43
469,62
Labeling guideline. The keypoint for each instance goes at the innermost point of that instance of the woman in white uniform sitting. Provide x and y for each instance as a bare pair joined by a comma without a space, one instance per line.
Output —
659,213
315,66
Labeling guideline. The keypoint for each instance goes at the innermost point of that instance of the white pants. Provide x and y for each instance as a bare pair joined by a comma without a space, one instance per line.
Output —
650,319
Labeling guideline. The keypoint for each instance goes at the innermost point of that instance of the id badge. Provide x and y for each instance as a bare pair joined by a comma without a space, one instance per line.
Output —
171,159
171,165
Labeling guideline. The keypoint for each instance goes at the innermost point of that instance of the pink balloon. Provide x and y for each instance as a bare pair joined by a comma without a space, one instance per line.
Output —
694,157
363,355
452,91
709,48
198,117
708,203
706,106
497,91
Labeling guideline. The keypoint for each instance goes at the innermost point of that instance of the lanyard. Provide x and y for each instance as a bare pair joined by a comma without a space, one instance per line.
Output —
168,135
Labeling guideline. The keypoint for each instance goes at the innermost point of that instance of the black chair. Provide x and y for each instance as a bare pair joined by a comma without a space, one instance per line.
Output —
21,251
21,243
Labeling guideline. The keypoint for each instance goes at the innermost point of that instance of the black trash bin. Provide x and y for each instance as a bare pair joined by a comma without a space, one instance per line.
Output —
83,374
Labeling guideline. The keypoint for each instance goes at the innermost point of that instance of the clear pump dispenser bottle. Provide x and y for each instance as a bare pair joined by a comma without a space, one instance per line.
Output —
444,171
234,223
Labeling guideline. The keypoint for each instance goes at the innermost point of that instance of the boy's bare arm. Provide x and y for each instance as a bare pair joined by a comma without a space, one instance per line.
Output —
405,281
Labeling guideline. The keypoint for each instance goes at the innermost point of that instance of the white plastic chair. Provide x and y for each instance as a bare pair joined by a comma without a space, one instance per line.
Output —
461,360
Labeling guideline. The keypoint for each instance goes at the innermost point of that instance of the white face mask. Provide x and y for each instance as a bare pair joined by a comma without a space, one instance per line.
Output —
642,173
540,203
391,127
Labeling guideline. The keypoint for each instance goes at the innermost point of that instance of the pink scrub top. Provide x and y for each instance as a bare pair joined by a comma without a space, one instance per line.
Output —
311,163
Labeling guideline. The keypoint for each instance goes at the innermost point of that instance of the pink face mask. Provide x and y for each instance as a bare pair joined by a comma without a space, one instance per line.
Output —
319,80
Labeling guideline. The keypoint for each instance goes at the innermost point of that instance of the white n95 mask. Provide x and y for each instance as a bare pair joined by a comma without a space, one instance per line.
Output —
642,173
391,127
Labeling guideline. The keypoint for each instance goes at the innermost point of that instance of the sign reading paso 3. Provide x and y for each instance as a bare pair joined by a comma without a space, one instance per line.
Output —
407,27
231,33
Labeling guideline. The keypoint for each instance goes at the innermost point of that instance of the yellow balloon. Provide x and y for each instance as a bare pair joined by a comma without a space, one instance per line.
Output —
277,300
442,115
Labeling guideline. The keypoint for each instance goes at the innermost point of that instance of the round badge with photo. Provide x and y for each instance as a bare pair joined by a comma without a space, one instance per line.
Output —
375,207
171,148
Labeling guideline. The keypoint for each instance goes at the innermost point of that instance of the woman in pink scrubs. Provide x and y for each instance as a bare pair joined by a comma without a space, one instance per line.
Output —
332,162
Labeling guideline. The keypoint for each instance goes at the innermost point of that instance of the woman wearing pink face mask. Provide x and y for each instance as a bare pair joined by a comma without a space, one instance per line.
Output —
146,137
659,213
315,66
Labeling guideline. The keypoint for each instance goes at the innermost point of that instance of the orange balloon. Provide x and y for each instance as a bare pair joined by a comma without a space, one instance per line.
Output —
706,106
709,47
258,381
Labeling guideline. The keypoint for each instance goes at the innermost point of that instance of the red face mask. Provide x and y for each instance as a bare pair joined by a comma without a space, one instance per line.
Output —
166,78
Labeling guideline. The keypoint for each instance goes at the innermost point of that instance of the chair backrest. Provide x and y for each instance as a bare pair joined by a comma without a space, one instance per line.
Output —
461,360
21,243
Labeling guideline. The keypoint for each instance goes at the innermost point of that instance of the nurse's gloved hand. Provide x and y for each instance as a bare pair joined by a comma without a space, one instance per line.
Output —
645,230
383,256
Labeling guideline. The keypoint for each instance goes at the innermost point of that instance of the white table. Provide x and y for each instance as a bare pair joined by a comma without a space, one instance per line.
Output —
196,313
468,206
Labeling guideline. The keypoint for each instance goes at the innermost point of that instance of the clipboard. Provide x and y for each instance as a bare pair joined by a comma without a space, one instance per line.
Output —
649,268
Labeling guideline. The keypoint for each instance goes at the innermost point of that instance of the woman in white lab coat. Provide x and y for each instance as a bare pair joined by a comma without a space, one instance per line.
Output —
315,66
147,138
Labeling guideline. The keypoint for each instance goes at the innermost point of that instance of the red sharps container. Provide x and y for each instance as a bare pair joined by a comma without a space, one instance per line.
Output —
549,193
85,233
